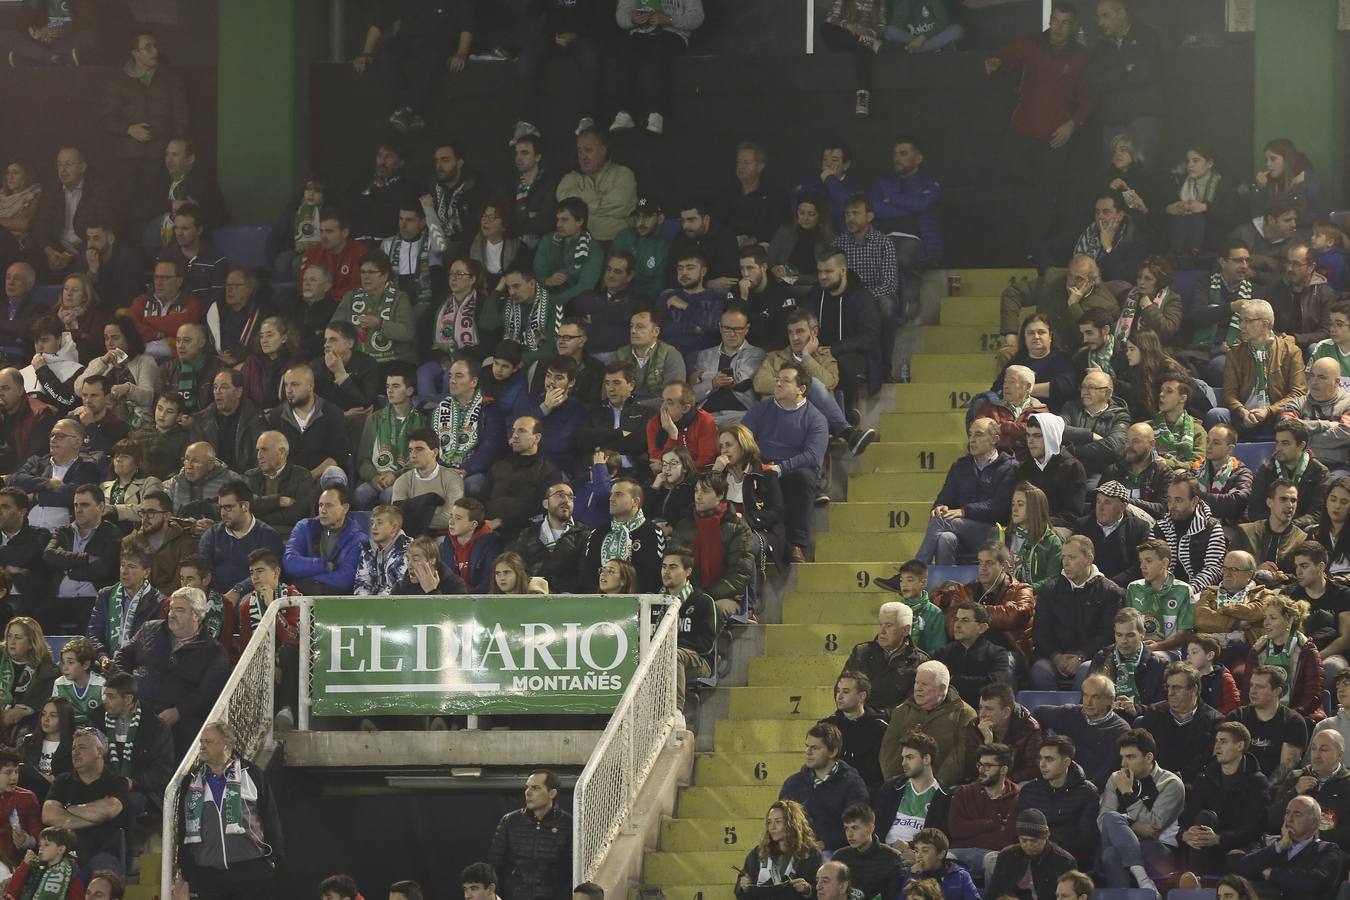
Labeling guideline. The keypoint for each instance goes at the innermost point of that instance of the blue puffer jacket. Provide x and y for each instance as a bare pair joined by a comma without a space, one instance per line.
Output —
984,495
905,202
302,558
955,880
374,578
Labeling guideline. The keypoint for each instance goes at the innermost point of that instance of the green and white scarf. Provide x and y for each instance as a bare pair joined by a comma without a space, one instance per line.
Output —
49,883
305,228
373,342
1225,597
1019,408
1212,480
457,428
618,544
121,610
1179,436
1202,189
457,325
194,803
390,452
1259,398
1295,474
1125,683
1203,338
421,272
1284,658
1102,358
120,748
529,333
14,679
189,375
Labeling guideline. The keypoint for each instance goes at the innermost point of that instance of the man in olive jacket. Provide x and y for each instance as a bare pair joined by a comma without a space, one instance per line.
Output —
938,711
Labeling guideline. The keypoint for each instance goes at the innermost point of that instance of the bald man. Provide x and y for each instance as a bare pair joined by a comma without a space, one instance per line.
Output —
1299,864
1144,476
283,493
191,373
1095,423
1064,295
316,428
16,342
195,487
1324,779
1325,409
25,422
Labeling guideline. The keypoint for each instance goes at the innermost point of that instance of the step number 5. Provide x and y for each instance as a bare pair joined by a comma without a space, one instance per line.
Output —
729,835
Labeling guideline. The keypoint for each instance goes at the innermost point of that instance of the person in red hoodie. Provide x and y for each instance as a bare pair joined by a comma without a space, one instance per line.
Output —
25,422
19,808
1053,100
983,817
158,314
681,424
53,868
472,545
336,253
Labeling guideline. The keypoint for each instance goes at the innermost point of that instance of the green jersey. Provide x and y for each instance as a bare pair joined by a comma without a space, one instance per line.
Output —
1167,610
929,632
84,701
1327,349
912,814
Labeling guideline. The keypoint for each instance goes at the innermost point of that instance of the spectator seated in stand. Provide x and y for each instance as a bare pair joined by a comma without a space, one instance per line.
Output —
337,256
1064,795
976,663
315,429
374,200
631,537
1063,297
1325,409
1073,617
1263,376
826,786
876,869
323,552
974,498
383,562
722,544
1011,408
1224,813
1299,862
427,489
471,544
1114,241
1183,724
608,189
63,214
1136,672
850,327
226,545
1095,424
282,491
78,557
697,614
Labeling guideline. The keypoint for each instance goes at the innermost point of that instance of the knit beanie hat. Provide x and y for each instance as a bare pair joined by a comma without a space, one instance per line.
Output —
1031,822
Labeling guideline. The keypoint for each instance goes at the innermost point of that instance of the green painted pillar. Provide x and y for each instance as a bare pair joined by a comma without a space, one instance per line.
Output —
265,50
1300,84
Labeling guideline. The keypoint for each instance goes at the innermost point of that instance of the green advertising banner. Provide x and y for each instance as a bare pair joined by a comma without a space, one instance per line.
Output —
455,655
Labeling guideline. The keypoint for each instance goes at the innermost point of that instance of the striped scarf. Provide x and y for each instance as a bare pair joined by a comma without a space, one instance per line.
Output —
373,342
528,332
618,543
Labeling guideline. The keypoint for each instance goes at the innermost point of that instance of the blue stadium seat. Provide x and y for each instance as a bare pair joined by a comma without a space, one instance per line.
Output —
244,245
47,294
1033,699
1188,894
1124,894
362,517
1255,453
1184,282
57,642
1329,703
960,574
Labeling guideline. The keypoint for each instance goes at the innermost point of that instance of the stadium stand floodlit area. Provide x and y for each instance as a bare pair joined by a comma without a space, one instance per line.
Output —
685,449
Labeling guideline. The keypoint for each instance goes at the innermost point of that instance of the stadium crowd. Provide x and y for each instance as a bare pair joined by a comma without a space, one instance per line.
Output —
566,384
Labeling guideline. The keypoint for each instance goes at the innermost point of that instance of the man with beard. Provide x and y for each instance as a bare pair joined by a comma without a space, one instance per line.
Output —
552,549
374,201
455,203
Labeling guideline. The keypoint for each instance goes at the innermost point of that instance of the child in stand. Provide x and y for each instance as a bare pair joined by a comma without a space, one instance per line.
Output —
1337,346
1217,687
46,752
79,683
1328,242
50,873
19,808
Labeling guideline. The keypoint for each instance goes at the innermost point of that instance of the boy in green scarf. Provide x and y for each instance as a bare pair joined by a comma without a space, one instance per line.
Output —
929,633
49,872
1181,439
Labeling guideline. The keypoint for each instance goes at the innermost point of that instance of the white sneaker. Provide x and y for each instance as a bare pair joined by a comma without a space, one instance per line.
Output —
439,723
680,724
369,726
284,720
622,122
585,122
522,128
862,104
656,123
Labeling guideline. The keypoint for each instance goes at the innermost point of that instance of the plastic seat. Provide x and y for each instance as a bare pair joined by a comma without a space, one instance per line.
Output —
244,245
1329,703
1190,894
1255,453
1184,282
960,574
362,518
58,642
1033,699
1123,894
47,294
1340,218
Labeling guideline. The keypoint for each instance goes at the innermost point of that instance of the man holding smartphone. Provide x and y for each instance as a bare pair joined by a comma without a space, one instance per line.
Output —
724,375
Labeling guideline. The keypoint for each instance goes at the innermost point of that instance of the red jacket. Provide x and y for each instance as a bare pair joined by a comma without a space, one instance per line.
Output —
975,820
1305,694
30,820
699,437
288,623
345,266
15,888
152,328
1053,87
1011,612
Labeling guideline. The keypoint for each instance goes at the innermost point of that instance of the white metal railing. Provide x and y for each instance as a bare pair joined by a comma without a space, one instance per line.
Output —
246,704
608,786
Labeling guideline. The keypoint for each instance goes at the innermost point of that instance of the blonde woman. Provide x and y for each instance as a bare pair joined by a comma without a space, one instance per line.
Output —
1285,646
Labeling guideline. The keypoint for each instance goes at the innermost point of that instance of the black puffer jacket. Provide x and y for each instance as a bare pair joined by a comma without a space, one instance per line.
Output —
1070,811
559,566
189,678
533,857
1239,803
892,677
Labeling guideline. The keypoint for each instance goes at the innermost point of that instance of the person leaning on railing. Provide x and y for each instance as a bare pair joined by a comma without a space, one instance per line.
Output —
229,832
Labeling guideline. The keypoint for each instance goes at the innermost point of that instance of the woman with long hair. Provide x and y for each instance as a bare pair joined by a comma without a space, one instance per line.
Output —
783,865
1033,543
278,349
753,490
671,496
618,576
133,373
1151,303
81,315
795,245
1288,175
1146,362
1330,530
1203,209
496,246
129,485
1284,645
27,674
1235,887
46,749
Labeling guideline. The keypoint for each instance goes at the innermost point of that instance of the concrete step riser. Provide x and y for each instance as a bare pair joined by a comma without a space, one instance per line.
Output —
761,735
795,703
912,458
804,640
748,769
840,548
679,835
926,398
844,577
896,516
937,369
766,671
